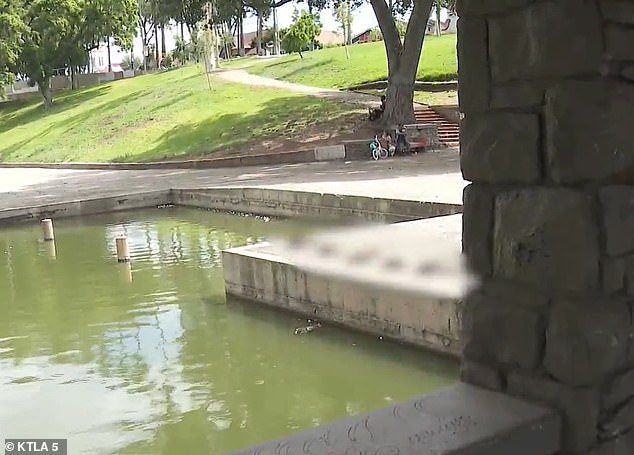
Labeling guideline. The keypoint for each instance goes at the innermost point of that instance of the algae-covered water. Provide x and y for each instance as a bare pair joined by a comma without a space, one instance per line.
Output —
149,357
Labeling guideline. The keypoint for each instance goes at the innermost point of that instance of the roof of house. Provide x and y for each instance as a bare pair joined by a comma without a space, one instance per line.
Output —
328,37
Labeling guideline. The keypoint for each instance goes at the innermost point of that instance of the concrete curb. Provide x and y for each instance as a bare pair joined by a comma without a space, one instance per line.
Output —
419,86
326,153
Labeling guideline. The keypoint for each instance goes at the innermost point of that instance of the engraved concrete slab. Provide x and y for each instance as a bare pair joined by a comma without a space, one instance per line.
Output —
330,152
457,420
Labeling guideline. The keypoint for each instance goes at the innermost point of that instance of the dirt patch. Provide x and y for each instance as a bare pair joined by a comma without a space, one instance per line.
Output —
347,127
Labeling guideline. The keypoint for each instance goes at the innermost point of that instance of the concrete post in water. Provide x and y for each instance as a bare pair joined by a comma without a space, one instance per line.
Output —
51,251
123,251
47,229
125,270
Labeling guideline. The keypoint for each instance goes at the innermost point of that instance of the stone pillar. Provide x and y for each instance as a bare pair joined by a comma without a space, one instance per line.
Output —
547,93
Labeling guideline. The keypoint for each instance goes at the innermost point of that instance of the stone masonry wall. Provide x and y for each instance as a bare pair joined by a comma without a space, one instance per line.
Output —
547,92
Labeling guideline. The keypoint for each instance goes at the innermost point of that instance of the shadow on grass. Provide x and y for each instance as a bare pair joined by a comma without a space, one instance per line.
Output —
302,69
64,103
20,112
287,116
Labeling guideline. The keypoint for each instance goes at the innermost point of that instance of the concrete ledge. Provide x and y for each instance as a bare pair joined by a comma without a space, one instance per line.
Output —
302,156
419,86
254,274
457,420
87,207
330,153
397,303
285,203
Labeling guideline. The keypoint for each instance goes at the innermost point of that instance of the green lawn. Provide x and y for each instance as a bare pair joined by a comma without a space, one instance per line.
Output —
153,117
330,68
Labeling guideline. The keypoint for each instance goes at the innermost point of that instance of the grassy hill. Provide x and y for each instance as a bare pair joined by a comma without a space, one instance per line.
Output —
154,117
330,68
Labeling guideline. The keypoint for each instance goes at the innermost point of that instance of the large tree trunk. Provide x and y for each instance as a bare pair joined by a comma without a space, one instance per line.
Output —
182,32
402,59
44,88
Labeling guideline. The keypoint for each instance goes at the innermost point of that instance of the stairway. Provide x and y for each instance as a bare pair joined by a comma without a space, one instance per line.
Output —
448,132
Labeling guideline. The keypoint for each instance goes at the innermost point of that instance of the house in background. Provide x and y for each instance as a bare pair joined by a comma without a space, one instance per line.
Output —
99,58
363,37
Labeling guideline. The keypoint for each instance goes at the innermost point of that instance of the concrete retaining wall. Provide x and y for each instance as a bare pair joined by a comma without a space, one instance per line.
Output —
253,274
86,207
284,203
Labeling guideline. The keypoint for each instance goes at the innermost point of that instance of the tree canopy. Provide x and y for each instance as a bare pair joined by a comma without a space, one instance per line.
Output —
301,33
39,37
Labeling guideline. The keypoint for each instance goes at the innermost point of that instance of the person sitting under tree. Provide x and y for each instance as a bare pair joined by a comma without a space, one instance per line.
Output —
376,112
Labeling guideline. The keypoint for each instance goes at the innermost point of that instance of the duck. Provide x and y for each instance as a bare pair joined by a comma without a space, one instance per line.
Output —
309,328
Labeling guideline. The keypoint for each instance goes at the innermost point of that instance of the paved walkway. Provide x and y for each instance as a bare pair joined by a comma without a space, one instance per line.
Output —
430,177
244,77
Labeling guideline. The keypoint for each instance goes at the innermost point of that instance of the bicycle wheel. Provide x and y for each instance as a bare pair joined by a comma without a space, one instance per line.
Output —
374,149
383,152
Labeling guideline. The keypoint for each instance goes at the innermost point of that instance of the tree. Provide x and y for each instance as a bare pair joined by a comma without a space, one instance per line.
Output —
12,29
343,14
58,34
402,56
300,34
45,42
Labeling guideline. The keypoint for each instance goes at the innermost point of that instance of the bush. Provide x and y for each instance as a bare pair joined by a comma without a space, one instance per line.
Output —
126,63
168,61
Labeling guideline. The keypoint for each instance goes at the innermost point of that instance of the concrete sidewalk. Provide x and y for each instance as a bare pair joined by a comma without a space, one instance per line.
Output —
433,177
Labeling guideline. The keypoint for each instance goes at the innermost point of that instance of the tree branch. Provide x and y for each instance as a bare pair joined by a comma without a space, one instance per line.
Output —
280,3
384,17
415,33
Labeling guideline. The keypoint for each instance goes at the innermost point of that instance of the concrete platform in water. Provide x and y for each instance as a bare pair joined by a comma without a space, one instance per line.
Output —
395,300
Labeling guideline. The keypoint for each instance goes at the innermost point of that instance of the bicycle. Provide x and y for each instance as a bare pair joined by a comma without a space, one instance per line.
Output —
377,150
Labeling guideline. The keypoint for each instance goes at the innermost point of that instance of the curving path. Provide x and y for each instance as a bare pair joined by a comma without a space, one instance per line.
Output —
243,77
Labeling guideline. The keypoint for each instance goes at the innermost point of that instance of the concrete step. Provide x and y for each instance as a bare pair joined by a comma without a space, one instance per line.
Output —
457,420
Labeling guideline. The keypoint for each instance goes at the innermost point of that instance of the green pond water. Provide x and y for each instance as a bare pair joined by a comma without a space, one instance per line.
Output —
150,358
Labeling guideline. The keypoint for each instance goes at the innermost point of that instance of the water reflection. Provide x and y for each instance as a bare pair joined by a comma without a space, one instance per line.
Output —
146,357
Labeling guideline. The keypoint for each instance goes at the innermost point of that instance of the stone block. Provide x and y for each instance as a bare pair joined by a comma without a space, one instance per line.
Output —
618,422
618,390
521,95
500,148
586,341
629,276
473,64
618,218
619,11
613,275
544,40
627,72
503,333
618,42
489,7
546,237
330,152
621,445
481,375
579,406
477,227
588,131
